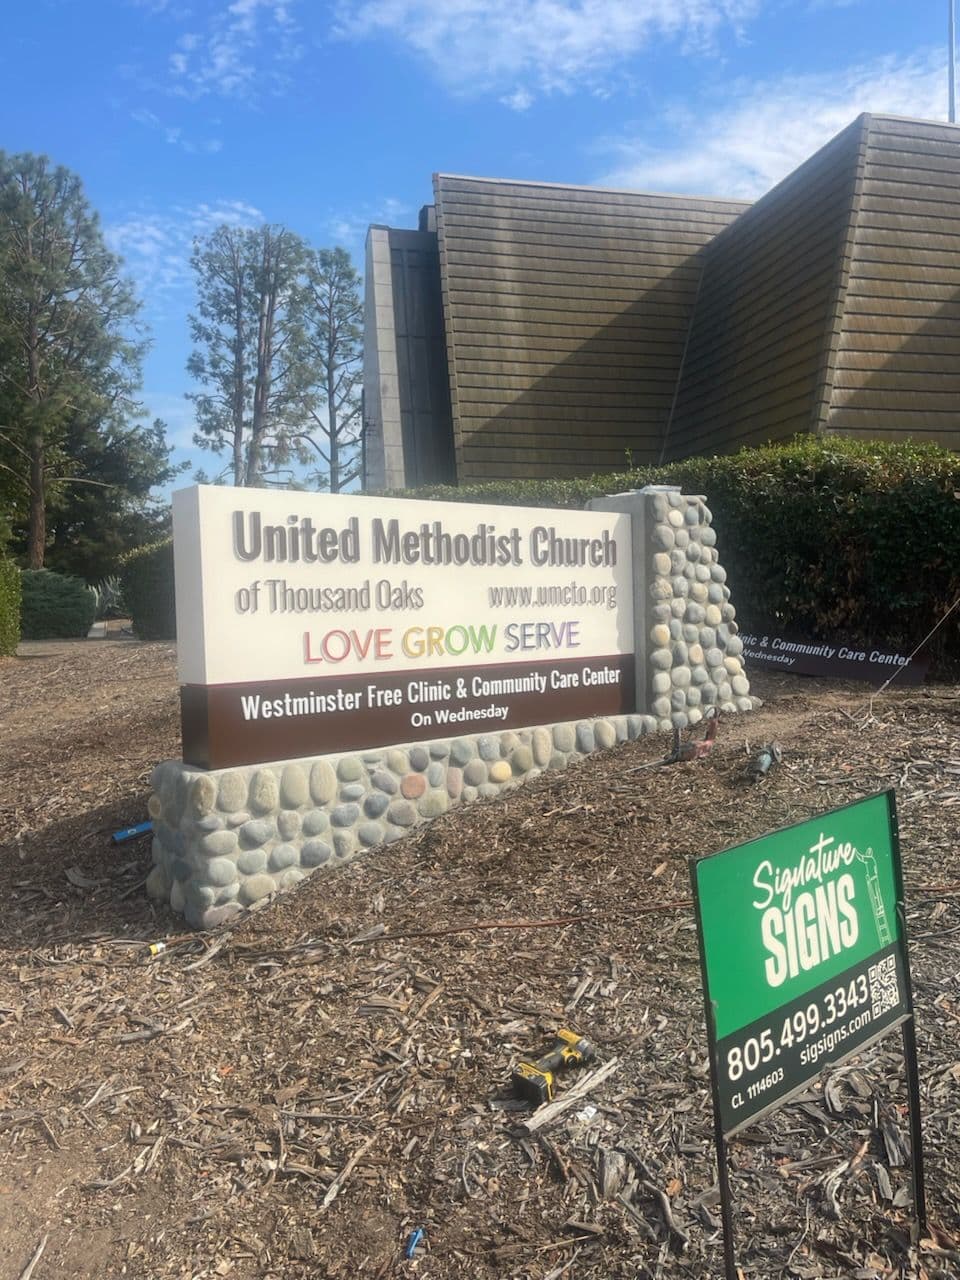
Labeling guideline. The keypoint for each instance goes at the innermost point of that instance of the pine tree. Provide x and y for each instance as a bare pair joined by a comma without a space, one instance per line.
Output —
335,347
68,349
248,354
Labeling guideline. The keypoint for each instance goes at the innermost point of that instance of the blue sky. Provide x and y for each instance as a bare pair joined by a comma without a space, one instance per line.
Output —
180,114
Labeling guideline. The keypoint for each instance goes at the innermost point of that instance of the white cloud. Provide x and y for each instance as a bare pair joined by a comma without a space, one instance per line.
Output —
174,136
349,229
142,116
156,246
242,49
235,213
762,131
519,100
519,46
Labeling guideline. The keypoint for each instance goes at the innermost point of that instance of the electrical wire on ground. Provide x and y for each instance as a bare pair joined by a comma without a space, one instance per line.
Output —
868,705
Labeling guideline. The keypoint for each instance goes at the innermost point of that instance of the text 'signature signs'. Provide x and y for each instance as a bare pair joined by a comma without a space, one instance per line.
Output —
802,950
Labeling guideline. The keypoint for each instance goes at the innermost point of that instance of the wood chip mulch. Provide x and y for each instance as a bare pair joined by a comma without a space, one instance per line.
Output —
296,1096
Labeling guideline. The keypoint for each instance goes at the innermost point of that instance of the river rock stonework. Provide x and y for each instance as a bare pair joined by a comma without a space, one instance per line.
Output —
695,655
226,839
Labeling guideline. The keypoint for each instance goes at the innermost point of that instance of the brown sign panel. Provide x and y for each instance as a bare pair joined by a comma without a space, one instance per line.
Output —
233,724
773,650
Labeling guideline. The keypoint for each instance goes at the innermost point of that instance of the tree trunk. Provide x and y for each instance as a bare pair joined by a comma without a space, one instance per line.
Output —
37,533
333,427
239,471
37,536
261,391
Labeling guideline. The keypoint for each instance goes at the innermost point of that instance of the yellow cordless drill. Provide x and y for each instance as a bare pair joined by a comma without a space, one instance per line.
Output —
534,1080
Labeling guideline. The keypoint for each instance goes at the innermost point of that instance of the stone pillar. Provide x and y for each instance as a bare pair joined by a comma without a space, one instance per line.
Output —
636,504
688,653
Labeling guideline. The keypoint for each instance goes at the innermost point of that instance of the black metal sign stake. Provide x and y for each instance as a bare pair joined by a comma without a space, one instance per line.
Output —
723,1184
916,1154
723,1170
916,1150
908,1032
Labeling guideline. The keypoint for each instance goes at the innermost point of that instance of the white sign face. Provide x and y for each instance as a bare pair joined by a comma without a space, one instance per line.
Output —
368,596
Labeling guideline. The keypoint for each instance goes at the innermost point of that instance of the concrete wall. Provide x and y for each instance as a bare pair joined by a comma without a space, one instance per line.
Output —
381,387
406,388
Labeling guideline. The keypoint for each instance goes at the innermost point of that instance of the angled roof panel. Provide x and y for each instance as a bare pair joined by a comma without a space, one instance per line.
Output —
585,295
898,361
759,353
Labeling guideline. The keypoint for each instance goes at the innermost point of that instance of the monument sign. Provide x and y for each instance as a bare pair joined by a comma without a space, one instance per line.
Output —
314,623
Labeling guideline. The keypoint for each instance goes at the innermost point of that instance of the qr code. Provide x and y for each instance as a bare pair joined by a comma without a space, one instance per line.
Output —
884,991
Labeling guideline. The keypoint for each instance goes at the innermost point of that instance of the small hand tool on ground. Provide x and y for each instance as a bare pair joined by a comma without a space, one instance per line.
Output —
413,1242
764,760
534,1081
694,748
132,833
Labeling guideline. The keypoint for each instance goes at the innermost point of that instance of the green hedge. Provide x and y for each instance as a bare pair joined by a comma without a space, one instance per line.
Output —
146,579
9,608
55,606
828,537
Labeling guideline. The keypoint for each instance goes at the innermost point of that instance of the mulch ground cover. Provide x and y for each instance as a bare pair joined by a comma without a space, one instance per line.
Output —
295,1096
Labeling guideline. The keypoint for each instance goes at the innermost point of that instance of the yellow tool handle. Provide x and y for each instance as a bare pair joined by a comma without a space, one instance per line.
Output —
534,1071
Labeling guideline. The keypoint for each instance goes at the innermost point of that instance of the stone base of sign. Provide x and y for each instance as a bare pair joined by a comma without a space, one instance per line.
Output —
225,839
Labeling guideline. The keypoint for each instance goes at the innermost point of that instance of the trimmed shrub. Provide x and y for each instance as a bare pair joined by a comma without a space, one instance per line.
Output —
146,581
55,606
9,608
840,539
825,536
